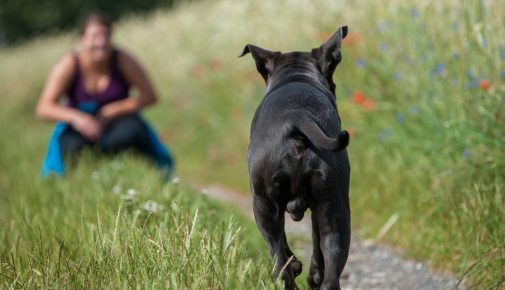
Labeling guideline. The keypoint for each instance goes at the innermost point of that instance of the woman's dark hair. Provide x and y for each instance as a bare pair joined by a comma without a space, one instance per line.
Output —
95,16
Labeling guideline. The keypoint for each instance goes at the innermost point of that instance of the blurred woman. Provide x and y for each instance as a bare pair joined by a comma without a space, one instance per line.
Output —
94,83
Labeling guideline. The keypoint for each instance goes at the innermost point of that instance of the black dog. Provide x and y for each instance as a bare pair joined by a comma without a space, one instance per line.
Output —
297,159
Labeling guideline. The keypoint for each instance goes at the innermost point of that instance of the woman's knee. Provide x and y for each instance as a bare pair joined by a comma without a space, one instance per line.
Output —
123,133
71,142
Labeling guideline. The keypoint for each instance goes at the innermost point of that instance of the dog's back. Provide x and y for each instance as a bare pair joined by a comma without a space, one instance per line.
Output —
289,164
273,112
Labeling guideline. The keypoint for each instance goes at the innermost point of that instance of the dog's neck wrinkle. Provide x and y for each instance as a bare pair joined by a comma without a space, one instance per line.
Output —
292,74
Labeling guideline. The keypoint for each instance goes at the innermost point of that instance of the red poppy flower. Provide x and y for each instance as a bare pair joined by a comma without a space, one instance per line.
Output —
215,63
358,97
369,105
197,71
485,85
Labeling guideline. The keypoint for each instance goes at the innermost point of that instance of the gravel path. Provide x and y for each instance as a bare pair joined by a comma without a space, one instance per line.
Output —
369,266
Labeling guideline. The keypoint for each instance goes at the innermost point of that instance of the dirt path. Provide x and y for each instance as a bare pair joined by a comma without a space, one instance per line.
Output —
370,266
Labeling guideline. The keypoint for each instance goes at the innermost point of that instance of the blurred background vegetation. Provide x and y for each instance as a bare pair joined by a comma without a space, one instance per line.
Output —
421,88
22,19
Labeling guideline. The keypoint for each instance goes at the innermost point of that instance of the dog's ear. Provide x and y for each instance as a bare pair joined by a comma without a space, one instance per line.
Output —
264,59
328,55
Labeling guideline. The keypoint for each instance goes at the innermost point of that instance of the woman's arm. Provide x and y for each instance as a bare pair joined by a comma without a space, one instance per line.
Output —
137,77
48,107
58,81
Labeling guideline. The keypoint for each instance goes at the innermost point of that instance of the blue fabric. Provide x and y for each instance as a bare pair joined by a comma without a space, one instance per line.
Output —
54,164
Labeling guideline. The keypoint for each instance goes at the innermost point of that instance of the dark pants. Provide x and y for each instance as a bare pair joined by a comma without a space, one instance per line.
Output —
122,133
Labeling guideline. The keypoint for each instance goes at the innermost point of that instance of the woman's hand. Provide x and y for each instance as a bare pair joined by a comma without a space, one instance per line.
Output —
88,126
108,112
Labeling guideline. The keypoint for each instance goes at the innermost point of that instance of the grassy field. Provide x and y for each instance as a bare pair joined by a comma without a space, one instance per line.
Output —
108,226
421,87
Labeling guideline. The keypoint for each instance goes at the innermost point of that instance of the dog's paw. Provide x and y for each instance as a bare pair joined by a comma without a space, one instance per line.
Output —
289,272
288,280
297,267
314,281
315,277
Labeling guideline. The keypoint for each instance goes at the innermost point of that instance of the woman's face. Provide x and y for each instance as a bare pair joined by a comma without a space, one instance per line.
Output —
96,41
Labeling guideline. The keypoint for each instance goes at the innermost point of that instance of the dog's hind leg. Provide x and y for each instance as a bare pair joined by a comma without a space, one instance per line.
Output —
316,271
296,265
334,239
270,221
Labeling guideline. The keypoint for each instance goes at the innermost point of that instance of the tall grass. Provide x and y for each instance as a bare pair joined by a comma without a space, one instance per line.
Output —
421,86
114,227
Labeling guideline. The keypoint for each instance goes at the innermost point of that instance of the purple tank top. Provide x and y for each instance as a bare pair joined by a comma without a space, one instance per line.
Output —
117,89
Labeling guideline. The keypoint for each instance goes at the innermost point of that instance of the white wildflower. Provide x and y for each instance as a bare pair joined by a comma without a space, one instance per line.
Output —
130,195
95,175
151,206
116,165
116,189
176,180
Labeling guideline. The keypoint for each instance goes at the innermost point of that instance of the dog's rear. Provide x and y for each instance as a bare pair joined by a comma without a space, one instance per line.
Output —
297,159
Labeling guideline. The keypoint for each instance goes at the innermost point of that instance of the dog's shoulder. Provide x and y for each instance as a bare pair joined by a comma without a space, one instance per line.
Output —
295,96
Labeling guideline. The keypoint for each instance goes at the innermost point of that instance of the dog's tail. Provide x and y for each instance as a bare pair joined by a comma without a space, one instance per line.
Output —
304,123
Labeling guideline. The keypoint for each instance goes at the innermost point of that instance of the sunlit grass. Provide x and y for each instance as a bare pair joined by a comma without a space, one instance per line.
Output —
106,225
428,138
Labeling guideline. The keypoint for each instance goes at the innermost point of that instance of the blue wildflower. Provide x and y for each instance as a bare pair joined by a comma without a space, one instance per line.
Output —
470,74
400,117
502,74
360,63
455,26
383,47
439,69
502,53
467,154
382,26
397,76
414,13
414,110
472,84
454,81
384,134
454,55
